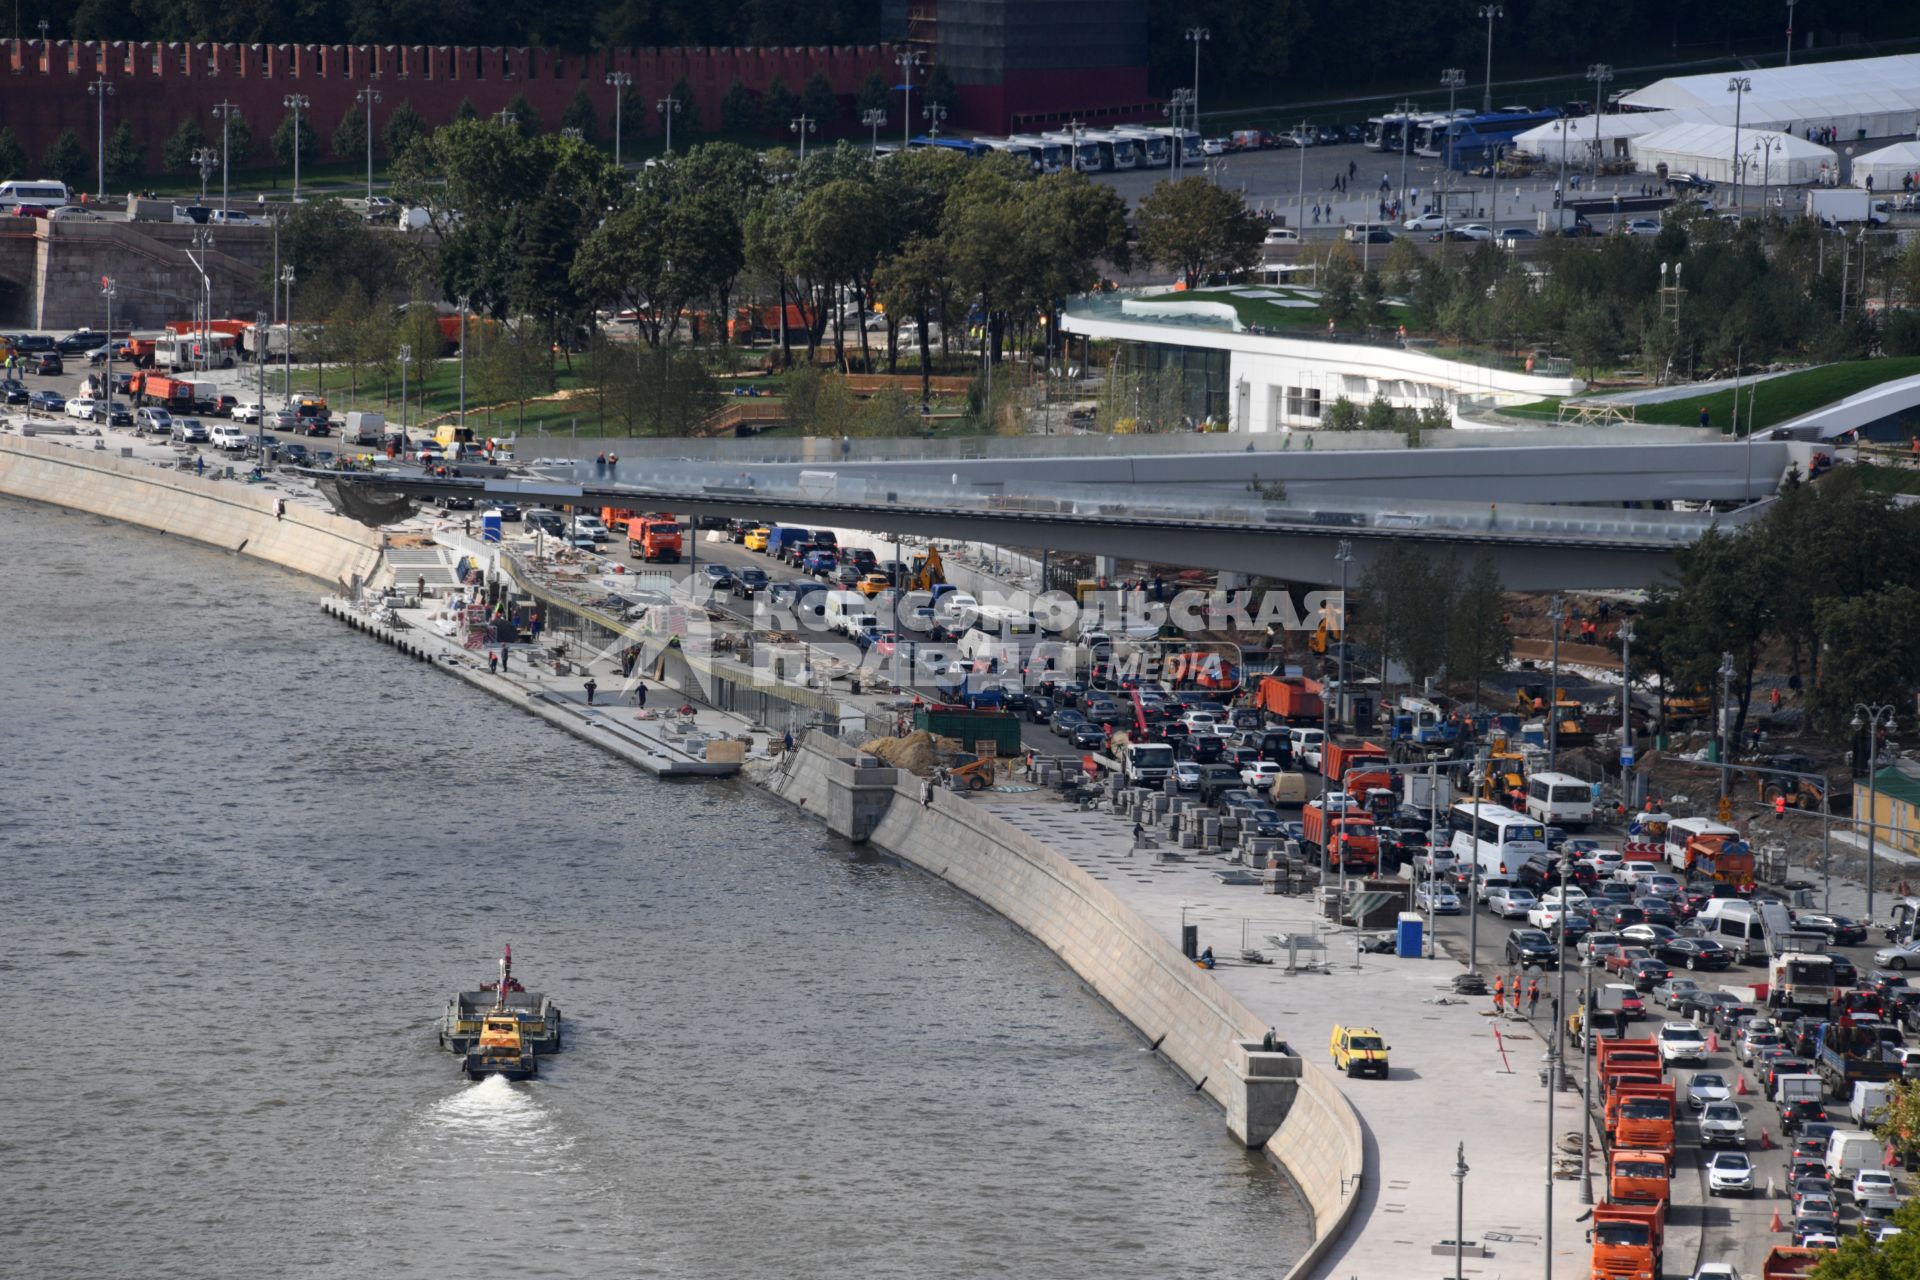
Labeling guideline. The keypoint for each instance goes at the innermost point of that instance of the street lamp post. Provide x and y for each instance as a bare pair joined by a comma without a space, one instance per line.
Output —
203,241
506,117
406,358
463,361
1460,1172
1198,36
1406,109
802,125
1626,714
225,110
101,90
1453,79
1490,12
907,61
1556,613
1765,144
1300,135
668,107
367,97
203,159
874,118
286,280
296,103
1586,1088
1073,132
1790,4
935,115
1177,102
1726,727
620,80
1739,87
107,291
1599,73
1874,713
260,422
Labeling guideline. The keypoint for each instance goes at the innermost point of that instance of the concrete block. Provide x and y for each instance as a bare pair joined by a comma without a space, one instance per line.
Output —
1261,1088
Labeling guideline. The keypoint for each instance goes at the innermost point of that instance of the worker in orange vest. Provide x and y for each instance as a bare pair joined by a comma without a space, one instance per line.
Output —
1499,992
1533,996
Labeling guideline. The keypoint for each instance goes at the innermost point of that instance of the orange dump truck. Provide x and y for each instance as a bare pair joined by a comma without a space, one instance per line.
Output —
1627,1241
1342,838
1294,699
655,539
1639,1177
1641,1117
1791,1262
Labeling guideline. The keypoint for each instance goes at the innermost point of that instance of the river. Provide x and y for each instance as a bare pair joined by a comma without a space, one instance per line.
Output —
250,855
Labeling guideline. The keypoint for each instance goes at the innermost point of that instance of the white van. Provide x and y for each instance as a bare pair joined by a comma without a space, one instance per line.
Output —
40,193
1559,800
1849,1151
840,605
364,428
1743,927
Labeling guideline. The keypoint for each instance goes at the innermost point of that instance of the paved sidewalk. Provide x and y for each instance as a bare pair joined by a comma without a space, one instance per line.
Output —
1452,1079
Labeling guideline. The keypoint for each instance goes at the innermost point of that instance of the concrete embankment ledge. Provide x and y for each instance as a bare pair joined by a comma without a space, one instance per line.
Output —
1310,1128
229,514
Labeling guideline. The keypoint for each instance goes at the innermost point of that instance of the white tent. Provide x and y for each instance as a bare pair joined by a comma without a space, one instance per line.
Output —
1889,166
1578,133
1708,150
1862,97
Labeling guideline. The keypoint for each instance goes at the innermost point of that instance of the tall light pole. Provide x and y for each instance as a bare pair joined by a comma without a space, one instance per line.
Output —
1874,713
296,103
1490,12
101,90
620,80
406,358
225,110
802,125
107,291
1074,126
286,279
203,241
907,61
1764,145
1556,613
1176,149
1460,1172
1586,1086
874,118
1790,4
1454,79
1726,727
463,361
1301,134
1344,554
203,159
1405,109
935,116
1599,73
1555,1069
367,97
1626,713
668,107
1739,87
1198,36
260,423
506,117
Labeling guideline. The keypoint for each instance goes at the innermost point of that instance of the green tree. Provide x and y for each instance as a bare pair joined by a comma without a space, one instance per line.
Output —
176,153
689,122
1342,415
13,156
126,156
778,107
581,114
283,139
1194,226
403,127
939,90
350,135
837,234
525,118
818,100
1340,286
1478,638
238,137
1593,336
875,93
914,282
345,340
1381,415
65,159
466,111
739,110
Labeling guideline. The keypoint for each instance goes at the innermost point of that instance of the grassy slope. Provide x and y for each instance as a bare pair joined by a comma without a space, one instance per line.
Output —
1774,401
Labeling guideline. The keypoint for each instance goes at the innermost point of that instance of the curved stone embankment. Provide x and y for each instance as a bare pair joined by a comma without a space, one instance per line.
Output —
229,514
1193,1020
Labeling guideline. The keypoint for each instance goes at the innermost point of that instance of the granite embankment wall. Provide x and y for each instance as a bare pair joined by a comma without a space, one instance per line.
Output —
1193,1020
220,513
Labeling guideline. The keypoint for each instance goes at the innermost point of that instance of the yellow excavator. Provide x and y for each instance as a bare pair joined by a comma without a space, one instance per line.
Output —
1325,634
928,572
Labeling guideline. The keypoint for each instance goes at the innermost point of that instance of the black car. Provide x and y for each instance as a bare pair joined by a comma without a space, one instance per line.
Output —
48,364
1532,947
79,342
31,343
1088,736
1845,974
1040,708
15,392
447,501
118,416
1693,953
1202,748
747,583
293,453
1841,931
863,559
1065,720
1657,910
509,511
1216,780
1615,916
47,402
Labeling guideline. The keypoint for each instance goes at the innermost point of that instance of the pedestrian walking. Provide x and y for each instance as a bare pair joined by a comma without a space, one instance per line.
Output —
1352,168
279,508
1138,831
493,663
1533,995
640,694
504,653
926,792
591,686
786,740
535,621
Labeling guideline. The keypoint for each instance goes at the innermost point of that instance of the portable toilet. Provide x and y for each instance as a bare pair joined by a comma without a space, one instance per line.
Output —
490,526
1410,937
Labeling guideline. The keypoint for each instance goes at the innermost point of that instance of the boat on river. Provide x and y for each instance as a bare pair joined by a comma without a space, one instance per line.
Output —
535,1015
500,1051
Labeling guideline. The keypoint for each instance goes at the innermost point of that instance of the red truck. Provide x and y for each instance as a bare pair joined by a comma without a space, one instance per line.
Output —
1343,838
654,538
1627,1241
1348,766
1294,699
1640,1116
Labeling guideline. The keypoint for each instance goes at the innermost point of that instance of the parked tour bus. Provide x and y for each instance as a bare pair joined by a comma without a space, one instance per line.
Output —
1559,800
1495,839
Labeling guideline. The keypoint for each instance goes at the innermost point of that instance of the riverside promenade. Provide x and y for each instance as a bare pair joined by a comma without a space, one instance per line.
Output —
1452,1080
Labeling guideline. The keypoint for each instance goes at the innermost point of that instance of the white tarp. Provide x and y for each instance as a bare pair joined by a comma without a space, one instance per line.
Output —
1613,131
1708,150
1861,97
1890,167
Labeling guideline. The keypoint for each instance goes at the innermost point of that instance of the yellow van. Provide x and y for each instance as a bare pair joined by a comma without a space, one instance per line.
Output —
756,539
1288,789
1359,1051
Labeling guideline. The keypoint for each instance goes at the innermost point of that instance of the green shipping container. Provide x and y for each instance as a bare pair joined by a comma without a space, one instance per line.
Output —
970,728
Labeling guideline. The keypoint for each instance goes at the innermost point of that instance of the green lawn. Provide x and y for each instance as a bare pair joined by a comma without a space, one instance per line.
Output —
1779,399
1267,313
1888,479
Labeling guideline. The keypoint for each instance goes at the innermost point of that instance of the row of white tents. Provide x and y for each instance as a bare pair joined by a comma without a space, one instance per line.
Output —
1693,124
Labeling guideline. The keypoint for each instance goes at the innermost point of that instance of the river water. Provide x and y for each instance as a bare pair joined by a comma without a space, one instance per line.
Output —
249,855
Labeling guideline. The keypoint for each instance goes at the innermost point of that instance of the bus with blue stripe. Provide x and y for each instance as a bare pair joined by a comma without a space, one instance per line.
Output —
1473,140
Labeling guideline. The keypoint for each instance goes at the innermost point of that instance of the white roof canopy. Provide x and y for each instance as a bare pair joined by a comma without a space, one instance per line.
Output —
1889,166
1861,97
1708,150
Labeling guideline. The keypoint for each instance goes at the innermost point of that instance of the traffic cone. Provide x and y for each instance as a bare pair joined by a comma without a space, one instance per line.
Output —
1713,1042
1740,1084
1766,1141
1775,1224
